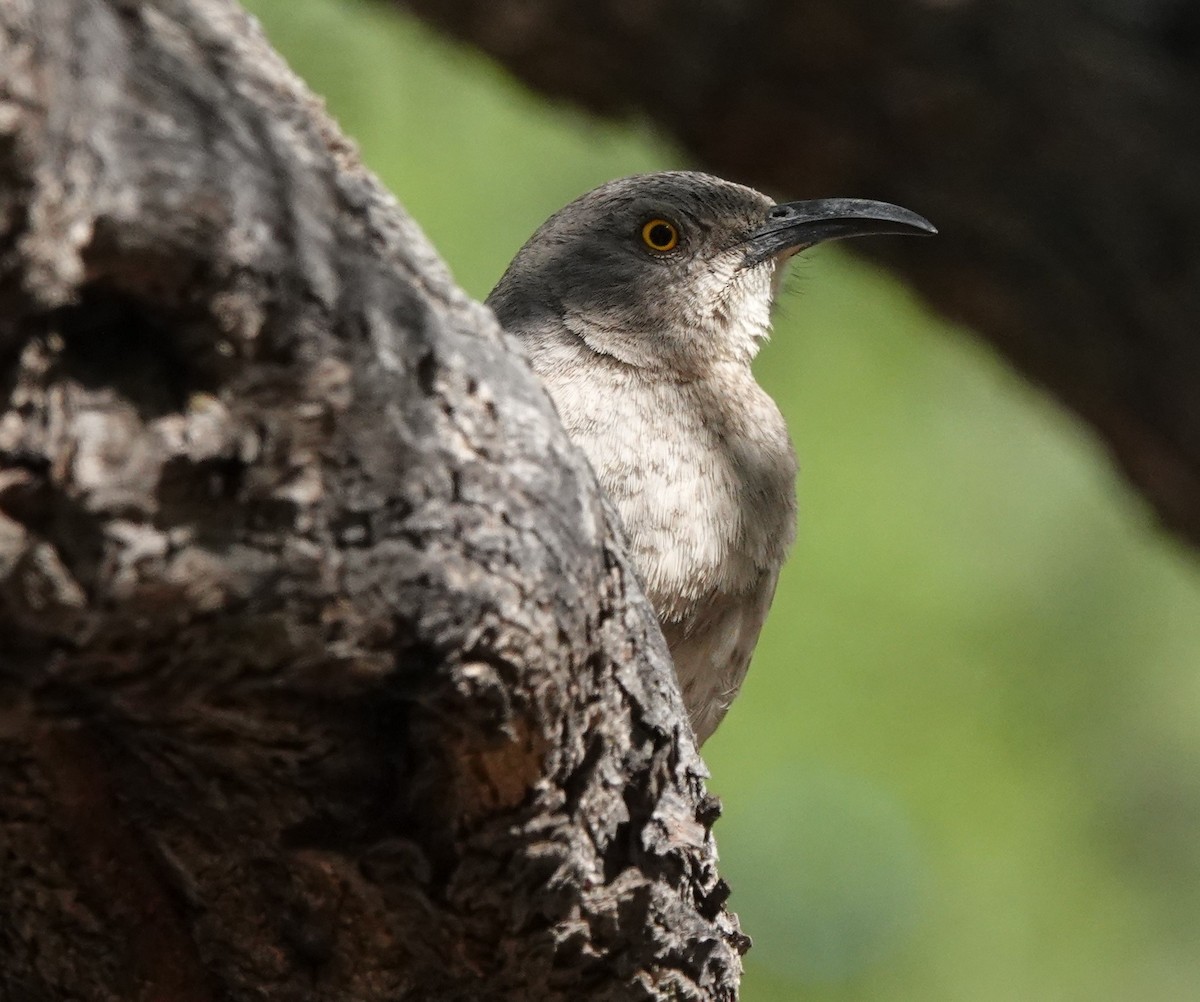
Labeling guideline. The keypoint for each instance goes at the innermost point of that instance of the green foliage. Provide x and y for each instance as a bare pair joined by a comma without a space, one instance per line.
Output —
966,764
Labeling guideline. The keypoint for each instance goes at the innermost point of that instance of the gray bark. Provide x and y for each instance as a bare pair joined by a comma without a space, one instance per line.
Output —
323,672
1056,143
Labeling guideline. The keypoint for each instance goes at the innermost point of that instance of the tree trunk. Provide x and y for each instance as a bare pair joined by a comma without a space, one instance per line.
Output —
1056,145
323,672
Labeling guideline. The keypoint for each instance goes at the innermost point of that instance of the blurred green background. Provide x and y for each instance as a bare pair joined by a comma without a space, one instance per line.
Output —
966,763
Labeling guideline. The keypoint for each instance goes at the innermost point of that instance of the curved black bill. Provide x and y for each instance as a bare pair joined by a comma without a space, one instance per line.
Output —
792,226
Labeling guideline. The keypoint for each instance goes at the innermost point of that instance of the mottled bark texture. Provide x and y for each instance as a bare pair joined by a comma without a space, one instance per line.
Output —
1056,143
323,673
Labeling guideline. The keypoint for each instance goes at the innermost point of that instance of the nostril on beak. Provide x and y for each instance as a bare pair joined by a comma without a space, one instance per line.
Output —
779,212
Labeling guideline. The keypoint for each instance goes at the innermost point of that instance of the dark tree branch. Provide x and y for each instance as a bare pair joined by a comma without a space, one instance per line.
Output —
322,670
1056,145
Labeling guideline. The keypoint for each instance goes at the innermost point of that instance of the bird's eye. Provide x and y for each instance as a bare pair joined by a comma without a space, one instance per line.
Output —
660,235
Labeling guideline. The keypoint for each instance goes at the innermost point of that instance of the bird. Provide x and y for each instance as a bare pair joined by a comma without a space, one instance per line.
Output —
640,306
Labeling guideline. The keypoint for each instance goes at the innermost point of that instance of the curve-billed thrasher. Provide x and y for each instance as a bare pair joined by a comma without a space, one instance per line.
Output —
641,305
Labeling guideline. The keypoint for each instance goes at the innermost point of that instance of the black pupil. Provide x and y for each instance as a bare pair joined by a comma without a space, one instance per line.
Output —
661,234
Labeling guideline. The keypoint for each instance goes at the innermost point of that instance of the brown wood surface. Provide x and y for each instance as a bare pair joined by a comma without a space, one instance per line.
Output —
323,673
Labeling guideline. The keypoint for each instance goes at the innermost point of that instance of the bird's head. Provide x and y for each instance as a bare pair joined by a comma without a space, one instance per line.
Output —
675,271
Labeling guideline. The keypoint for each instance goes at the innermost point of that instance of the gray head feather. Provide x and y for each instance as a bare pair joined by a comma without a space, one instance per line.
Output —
588,268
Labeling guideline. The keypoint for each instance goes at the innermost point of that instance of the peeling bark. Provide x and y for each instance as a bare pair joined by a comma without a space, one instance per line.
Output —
1056,146
323,671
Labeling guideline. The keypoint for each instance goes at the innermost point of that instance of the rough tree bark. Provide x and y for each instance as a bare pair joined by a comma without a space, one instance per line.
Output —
323,673
1056,145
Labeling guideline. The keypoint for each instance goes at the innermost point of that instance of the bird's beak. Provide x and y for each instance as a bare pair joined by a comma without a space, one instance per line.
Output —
793,226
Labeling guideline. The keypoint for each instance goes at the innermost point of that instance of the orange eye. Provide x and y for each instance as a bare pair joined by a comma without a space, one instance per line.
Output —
660,235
